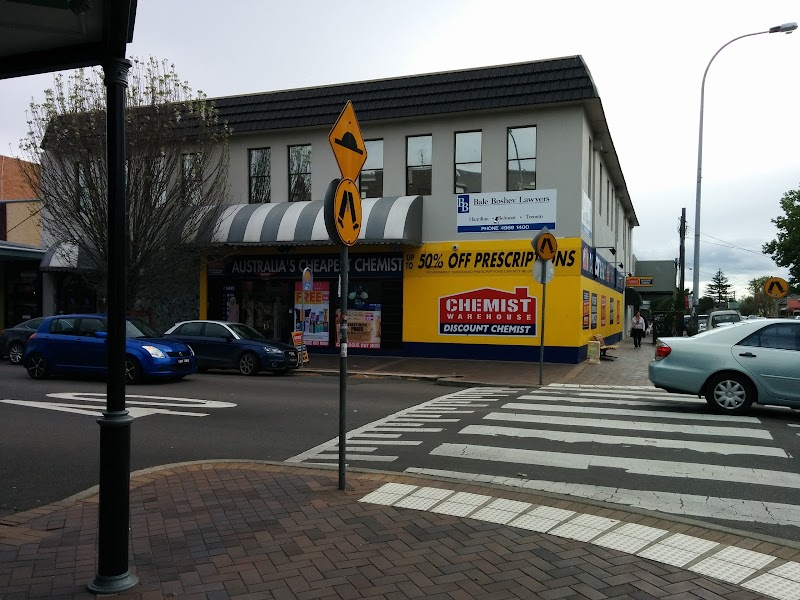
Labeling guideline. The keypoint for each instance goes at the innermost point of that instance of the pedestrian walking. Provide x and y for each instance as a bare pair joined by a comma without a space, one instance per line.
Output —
638,327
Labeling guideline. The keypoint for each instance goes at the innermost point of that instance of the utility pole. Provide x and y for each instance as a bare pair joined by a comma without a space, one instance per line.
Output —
683,250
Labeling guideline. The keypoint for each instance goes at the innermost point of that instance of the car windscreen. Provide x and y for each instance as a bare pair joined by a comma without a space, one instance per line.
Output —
247,332
136,328
717,319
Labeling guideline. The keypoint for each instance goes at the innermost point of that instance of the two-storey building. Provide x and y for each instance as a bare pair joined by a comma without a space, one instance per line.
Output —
463,169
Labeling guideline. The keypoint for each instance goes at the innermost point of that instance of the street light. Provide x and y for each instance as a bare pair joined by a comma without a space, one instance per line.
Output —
785,28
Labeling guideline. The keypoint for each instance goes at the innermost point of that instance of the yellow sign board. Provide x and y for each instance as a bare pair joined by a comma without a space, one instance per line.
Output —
776,287
546,246
347,212
348,143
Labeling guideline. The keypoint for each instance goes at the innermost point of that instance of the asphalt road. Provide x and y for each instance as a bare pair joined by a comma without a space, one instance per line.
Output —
637,447
49,437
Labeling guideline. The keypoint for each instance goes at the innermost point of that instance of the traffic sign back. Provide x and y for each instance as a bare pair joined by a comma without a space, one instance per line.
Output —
348,143
776,287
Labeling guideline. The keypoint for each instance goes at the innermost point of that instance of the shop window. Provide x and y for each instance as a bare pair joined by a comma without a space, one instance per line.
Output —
191,176
300,173
370,182
468,163
260,182
419,165
521,169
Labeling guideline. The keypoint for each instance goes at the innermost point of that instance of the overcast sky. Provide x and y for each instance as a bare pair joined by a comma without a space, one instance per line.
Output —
646,59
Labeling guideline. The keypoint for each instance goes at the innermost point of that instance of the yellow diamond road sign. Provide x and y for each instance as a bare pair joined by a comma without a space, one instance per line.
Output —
348,143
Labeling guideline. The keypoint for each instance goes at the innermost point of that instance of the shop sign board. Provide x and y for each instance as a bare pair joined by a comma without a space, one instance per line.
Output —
388,264
488,312
639,281
529,210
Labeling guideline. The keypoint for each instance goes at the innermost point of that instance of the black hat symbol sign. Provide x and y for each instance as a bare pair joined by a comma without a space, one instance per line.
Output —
349,141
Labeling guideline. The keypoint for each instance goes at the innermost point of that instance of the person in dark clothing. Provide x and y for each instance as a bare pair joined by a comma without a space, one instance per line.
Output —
638,327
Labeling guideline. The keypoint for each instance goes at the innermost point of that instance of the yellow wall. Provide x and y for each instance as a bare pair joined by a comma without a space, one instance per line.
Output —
440,270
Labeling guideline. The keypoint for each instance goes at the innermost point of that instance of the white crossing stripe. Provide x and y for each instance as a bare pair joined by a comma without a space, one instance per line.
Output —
633,425
656,468
624,412
620,440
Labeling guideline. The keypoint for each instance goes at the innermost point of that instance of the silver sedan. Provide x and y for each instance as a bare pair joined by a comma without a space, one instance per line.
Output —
733,367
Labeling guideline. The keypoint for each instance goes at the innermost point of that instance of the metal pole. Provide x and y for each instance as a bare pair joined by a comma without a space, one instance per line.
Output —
544,303
113,574
343,270
696,264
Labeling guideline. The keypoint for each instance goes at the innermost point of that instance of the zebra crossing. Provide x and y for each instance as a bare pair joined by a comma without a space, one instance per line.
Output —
632,445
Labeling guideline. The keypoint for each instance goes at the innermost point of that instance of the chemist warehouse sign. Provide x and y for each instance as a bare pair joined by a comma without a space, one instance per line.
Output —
488,311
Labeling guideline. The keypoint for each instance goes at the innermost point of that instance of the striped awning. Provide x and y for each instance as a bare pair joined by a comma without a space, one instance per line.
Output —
396,220
64,256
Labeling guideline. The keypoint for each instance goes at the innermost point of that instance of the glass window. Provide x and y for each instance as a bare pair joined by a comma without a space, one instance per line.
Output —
300,173
783,336
191,176
419,165
90,325
468,163
83,199
64,326
217,330
193,329
370,182
260,183
521,173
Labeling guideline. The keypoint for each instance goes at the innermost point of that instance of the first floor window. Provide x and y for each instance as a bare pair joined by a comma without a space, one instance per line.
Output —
370,181
191,176
419,165
521,171
468,163
260,183
300,173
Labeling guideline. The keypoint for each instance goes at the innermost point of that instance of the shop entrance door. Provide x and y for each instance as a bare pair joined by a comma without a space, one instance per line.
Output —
266,305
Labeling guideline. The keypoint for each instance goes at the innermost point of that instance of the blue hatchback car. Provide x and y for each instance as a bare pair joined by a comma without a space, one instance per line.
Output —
76,344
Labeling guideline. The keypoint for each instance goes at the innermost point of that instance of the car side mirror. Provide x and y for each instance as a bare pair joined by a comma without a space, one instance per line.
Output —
101,334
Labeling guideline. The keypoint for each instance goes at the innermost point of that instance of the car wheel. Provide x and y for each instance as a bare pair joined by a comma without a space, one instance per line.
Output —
15,351
133,372
248,364
37,366
730,394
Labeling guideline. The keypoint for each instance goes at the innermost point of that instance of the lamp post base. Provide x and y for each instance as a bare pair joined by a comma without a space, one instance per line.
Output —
112,584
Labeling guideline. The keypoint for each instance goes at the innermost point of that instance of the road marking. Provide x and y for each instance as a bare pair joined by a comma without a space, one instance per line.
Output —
631,425
654,468
624,412
771,513
136,405
589,399
570,437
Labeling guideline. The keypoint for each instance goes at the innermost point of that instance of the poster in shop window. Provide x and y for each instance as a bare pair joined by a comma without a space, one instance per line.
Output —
610,311
586,309
602,311
594,311
317,317
363,317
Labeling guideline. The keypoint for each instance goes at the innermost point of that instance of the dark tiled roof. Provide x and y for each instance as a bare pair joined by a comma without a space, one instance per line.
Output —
501,87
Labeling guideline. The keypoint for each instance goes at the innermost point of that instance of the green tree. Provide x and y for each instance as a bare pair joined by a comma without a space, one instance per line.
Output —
719,288
705,305
763,305
176,175
785,250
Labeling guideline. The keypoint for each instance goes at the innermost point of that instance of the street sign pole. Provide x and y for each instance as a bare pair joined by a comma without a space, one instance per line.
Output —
342,208
343,269
544,304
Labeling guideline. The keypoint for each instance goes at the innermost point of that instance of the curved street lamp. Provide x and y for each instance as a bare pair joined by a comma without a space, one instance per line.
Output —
785,28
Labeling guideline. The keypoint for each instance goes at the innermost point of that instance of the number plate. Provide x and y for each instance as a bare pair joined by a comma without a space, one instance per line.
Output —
183,361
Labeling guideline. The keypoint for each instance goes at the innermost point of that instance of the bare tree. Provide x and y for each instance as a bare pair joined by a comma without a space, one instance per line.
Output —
176,174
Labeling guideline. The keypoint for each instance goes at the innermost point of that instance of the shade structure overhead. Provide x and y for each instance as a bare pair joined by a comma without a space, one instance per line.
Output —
391,220
66,257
